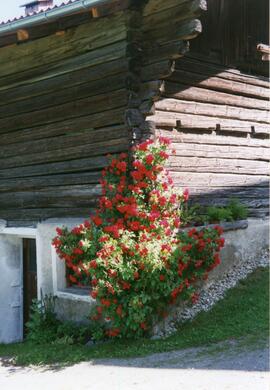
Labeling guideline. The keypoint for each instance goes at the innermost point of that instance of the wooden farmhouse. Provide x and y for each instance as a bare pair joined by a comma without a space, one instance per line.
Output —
91,78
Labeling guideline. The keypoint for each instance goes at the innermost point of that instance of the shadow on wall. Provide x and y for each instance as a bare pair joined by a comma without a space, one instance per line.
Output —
255,197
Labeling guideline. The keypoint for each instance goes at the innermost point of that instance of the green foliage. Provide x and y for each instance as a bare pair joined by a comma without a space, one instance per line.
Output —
44,327
196,215
191,215
232,212
237,209
218,214
130,253
70,333
43,324
243,313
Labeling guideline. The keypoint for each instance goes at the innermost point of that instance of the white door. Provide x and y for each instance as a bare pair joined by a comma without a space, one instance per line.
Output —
11,305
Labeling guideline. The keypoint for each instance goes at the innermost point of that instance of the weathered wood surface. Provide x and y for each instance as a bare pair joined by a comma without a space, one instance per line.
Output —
157,70
154,6
53,82
65,141
51,49
220,84
216,180
60,25
170,119
215,140
67,100
78,166
37,183
174,32
218,165
70,126
39,214
97,88
157,52
62,110
191,64
194,93
216,119
82,150
77,196
186,149
188,10
45,72
232,30
73,109
215,110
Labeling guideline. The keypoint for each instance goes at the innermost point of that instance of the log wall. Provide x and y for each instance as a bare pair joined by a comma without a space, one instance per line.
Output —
76,90
218,120
62,104
70,96
231,31
217,116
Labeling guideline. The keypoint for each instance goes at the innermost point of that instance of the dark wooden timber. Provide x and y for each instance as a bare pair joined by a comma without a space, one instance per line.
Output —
80,87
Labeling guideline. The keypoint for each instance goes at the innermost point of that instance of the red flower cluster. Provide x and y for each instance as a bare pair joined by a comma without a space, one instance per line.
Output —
132,253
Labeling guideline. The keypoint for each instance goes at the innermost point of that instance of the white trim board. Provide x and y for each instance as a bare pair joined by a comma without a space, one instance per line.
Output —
20,232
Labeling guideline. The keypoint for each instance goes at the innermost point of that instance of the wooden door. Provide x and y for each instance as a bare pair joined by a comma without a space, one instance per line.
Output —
29,276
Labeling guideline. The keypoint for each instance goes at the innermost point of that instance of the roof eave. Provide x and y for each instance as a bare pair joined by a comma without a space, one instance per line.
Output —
50,15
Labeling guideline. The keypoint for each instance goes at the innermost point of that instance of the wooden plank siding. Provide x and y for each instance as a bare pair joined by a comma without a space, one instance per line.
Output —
216,115
61,96
231,31
70,95
218,121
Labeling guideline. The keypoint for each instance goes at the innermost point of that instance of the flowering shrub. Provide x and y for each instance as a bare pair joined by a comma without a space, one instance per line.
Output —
132,253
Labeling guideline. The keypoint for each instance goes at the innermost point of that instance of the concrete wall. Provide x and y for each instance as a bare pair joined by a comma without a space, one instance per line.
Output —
69,306
51,273
11,314
240,245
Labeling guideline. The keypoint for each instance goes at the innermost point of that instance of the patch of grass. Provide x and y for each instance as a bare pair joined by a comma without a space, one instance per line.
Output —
242,314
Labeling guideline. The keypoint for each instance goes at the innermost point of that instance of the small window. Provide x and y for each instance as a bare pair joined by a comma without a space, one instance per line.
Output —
61,283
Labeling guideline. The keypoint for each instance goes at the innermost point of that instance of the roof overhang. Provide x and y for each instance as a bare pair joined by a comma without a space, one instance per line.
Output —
51,15
33,2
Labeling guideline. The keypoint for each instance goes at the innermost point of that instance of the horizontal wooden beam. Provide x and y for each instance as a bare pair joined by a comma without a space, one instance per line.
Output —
220,84
196,93
73,109
81,151
66,127
213,110
52,49
218,165
192,64
63,141
22,35
178,120
208,139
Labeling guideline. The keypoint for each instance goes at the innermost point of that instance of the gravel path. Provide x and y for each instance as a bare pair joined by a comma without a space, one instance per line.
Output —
224,366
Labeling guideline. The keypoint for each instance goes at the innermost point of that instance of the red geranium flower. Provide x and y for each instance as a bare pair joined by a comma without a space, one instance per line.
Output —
94,294
143,325
149,159
97,220
93,264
